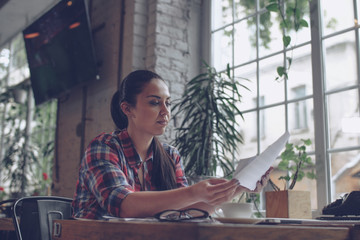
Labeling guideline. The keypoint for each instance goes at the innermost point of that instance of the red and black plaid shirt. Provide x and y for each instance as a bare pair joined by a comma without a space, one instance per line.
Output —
109,172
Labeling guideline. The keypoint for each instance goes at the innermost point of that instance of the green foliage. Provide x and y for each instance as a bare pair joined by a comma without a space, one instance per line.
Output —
294,160
14,151
291,13
291,17
208,133
27,158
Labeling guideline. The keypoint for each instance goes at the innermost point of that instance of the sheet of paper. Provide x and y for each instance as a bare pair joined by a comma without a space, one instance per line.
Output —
250,170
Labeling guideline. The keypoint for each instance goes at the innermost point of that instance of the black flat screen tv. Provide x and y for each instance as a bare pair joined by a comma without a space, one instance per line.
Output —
60,50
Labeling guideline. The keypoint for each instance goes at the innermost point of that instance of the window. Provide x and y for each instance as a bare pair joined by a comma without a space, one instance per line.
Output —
322,89
262,121
26,132
299,111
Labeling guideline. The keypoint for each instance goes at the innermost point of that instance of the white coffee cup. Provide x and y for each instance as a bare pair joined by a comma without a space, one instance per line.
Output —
235,210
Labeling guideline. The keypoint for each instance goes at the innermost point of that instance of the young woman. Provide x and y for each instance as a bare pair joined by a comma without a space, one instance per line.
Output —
129,173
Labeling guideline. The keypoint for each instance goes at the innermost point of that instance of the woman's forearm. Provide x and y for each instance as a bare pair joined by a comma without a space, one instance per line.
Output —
211,191
148,203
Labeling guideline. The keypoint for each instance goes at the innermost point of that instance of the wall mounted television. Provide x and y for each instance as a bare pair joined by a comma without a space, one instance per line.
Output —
60,50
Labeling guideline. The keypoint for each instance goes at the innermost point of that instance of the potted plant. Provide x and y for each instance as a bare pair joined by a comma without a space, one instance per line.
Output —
286,202
209,131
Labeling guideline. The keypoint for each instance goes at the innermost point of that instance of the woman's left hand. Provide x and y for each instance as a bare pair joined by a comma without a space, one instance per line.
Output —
263,182
259,185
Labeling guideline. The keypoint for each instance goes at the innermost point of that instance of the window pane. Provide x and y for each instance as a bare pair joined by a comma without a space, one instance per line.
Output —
221,13
14,70
301,121
335,20
300,73
4,63
273,121
270,40
345,167
272,90
244,8
304,33
222,48
249,133
244,43
246,75
340,61
19,70
342,105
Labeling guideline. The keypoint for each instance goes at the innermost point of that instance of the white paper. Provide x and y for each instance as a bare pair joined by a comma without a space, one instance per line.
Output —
250,170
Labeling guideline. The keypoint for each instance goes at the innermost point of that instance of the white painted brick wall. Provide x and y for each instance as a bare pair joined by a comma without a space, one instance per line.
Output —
163,46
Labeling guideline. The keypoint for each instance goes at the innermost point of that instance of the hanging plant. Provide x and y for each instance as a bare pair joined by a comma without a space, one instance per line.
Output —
291,14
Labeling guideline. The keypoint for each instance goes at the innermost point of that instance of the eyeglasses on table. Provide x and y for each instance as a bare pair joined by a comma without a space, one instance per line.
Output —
172,215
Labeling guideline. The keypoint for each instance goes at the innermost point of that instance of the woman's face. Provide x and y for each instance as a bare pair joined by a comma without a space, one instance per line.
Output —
151,114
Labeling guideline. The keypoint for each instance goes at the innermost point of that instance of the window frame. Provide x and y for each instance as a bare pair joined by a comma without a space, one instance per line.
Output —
322,150
38,120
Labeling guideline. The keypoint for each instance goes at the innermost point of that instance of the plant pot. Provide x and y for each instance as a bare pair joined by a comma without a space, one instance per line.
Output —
288,204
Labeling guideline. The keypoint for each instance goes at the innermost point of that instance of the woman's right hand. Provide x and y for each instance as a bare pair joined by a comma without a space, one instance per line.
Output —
215,191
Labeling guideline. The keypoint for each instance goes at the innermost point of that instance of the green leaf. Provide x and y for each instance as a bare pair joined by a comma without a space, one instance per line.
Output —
286,178
286,41
289,59
228,70
303,23
286,77
273,7
307,142
280,71
311,175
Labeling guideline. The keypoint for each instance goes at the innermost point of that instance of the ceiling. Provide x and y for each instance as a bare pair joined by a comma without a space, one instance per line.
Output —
15,15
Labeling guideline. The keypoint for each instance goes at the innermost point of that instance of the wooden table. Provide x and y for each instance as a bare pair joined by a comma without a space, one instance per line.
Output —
7,230
97,230
6,224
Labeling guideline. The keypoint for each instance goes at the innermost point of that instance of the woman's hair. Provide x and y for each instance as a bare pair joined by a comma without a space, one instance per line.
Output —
163,171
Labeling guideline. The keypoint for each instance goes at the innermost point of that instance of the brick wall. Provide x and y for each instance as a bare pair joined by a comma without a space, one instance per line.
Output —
164,37
88,107
159,35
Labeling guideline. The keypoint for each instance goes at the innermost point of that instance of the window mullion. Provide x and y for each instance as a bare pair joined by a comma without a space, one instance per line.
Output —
357,43
322,164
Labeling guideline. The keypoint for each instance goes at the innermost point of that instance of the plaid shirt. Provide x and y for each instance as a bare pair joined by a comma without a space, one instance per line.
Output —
109,172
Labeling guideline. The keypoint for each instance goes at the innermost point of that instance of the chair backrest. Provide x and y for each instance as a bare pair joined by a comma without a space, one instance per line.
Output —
33,216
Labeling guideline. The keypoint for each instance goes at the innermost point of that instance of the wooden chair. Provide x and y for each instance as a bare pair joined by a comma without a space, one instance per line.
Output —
33,216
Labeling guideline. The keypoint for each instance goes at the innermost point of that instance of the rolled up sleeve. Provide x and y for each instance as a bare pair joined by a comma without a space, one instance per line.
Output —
102,182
